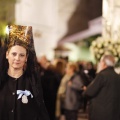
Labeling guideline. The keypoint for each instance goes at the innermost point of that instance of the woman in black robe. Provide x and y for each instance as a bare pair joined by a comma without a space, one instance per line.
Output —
20,86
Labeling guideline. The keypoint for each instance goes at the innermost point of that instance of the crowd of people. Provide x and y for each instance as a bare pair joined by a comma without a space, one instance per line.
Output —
63,83
81,85
34,88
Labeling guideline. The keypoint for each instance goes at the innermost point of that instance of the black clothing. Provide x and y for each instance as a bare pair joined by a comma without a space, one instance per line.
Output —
92,73
71,114
13,108
104,91
50,83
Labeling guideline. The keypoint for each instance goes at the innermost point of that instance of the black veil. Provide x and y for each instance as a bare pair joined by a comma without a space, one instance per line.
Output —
32,67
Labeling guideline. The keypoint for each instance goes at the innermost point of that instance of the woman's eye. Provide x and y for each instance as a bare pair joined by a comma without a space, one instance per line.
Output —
22,55
14,54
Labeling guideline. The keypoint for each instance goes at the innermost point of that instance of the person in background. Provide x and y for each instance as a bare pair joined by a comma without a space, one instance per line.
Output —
59,68
50,82
61,96
43,63
91,70
103,92
86,81
73,92
20,85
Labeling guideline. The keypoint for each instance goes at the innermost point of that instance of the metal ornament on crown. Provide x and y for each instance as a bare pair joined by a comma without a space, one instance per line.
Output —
23,34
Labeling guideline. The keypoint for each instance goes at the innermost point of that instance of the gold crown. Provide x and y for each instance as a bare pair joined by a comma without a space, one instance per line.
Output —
23,33
18,33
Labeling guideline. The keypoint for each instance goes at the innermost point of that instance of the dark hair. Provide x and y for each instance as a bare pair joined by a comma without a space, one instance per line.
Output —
31,67
3,64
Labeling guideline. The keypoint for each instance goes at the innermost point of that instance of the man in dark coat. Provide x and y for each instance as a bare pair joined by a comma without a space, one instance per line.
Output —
104,92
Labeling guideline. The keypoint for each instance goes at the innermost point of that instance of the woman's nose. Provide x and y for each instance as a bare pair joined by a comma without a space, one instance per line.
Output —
17,57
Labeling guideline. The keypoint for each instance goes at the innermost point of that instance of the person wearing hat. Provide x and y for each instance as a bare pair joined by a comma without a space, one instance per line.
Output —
20,85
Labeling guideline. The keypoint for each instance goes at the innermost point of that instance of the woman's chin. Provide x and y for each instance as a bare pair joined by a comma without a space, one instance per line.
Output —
16,67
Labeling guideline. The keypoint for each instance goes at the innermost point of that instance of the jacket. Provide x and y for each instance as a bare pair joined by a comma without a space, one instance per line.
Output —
105,96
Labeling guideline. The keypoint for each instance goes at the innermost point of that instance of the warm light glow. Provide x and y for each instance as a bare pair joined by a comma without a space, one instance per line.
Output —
7,30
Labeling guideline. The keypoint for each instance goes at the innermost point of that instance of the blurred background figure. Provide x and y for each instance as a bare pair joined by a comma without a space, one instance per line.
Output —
104,92
61,96
91,70
69,93
86,81
51,75
43,62
59,67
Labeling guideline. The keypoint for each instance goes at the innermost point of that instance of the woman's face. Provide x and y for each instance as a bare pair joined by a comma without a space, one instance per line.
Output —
17,56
